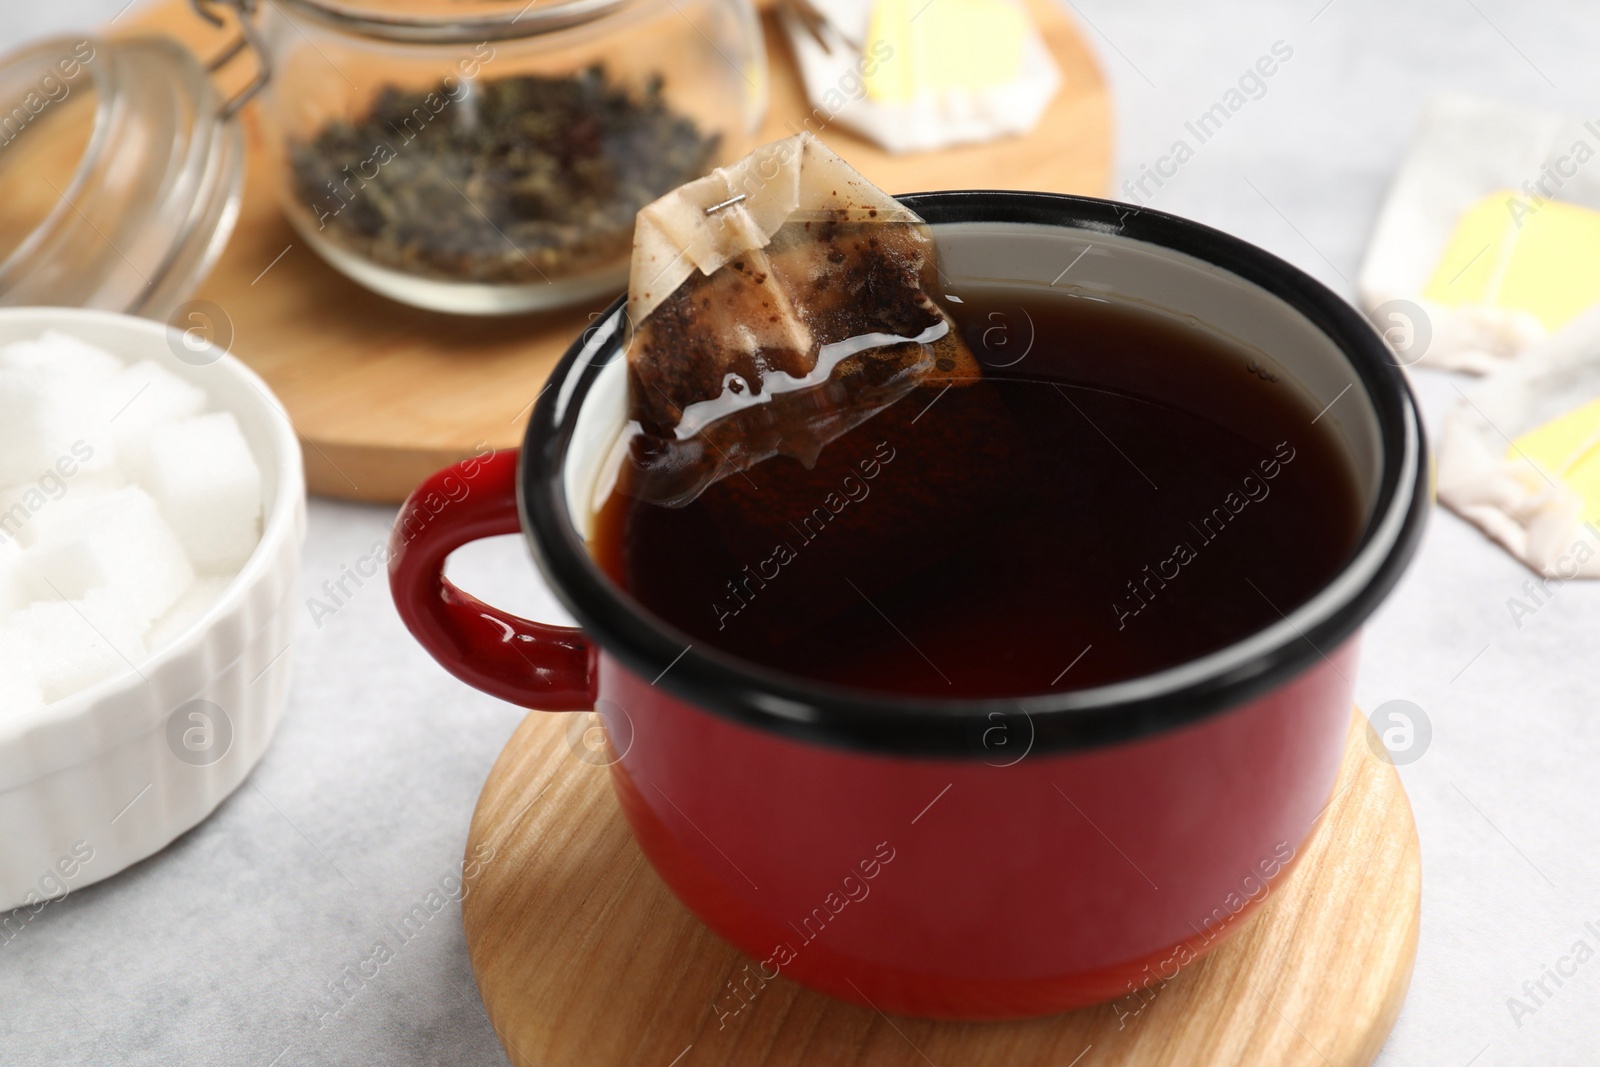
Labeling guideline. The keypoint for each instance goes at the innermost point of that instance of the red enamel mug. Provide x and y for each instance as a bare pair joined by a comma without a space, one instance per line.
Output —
971,859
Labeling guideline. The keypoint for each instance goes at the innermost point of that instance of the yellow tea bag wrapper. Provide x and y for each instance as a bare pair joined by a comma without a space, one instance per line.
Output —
1513,253
1567,450
936,46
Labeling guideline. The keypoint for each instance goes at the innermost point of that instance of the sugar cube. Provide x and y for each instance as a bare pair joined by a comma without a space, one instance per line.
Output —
202,595
11,594
116,539
94,570
209,489
137,400
49,427
60,355
19,686
72,644
20,503
63,570
33,421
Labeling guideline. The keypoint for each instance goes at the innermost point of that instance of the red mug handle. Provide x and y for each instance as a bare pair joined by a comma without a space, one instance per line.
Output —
527,663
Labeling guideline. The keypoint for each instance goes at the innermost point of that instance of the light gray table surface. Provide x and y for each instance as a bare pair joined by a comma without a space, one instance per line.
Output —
217,950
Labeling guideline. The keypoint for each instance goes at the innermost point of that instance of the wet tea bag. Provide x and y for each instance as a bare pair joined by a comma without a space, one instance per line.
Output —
775,305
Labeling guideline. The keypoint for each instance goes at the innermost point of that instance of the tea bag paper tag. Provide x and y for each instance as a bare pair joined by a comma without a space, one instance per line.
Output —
738,208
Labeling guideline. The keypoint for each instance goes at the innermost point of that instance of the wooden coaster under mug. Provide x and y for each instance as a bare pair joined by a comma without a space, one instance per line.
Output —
584,957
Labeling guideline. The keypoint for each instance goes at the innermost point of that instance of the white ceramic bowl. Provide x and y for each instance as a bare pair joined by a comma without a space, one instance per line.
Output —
103,778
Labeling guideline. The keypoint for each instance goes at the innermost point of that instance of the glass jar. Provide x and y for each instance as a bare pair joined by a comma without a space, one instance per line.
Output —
486,156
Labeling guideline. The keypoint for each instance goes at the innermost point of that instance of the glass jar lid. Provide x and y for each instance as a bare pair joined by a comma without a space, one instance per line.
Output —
123,169
453,21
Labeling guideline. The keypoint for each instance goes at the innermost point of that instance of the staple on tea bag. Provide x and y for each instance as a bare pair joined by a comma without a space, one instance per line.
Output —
775,304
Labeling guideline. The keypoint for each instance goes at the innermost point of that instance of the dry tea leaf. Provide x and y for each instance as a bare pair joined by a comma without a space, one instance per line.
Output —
510,180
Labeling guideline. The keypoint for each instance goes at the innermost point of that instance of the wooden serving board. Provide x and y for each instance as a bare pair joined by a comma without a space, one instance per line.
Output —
384,394
584,957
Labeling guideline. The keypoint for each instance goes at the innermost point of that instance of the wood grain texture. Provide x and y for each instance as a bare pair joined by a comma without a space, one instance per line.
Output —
584,957
383,394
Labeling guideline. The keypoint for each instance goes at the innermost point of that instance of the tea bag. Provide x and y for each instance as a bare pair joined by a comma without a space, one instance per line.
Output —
775,305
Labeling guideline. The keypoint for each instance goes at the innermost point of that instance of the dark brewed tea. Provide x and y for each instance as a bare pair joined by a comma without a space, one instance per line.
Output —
1121,493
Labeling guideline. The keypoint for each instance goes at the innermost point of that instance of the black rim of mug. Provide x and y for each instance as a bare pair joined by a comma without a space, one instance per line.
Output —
1084,718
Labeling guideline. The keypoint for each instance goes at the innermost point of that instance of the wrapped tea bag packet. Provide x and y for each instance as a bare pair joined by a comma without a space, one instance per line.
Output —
916,77
1489,238
776,304
1520,455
